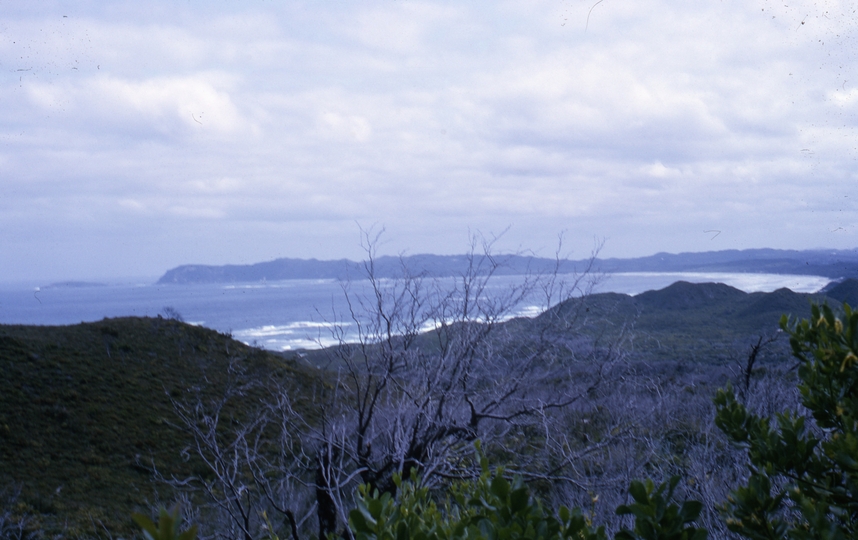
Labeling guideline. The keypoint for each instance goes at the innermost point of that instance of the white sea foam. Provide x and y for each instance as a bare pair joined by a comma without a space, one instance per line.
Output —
522,311
528,311
285,343
293,327
291,336
281,343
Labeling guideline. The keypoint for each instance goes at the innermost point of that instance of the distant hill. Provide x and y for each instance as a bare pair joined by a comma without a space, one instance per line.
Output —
683,295
835,264
708,323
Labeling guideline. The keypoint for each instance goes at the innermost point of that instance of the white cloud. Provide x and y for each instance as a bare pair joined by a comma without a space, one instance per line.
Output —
659,121
165,105
203,212
843,97
658,170
224,185
351,127
133,205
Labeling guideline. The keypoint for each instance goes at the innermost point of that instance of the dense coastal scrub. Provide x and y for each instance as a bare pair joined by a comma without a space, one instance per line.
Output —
802,481
86,415
125,415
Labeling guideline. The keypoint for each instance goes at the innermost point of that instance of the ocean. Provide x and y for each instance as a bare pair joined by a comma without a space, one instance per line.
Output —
295,314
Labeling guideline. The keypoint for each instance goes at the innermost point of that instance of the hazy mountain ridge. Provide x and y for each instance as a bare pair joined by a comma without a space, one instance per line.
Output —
835,264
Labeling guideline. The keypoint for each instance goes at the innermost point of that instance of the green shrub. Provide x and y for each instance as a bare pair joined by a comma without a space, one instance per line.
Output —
656,517
494,508
167,527
803,482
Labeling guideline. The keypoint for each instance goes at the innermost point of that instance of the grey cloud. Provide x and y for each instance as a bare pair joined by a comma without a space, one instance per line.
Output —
217,133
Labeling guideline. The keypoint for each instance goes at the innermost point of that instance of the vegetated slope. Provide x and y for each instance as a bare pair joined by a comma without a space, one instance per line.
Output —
706,323
703,322
688,296
845,291
85,411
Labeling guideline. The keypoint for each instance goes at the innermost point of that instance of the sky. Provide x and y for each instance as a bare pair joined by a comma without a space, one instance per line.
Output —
139,136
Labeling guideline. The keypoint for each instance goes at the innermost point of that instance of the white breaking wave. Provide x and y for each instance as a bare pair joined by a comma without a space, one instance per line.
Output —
528,311
292,336
274,329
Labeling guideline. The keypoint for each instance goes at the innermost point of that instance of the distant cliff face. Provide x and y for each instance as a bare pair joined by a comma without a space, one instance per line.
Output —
830,263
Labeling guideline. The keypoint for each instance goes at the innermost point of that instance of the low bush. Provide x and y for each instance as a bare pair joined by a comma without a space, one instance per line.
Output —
496,508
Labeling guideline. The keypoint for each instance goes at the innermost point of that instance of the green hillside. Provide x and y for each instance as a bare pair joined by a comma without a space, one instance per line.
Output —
85,411
844,291
686,322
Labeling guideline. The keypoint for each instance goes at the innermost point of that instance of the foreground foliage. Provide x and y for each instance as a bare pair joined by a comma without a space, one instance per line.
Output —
494,508
803,479
167,528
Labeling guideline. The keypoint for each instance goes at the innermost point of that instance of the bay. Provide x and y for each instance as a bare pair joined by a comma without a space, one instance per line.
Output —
296,314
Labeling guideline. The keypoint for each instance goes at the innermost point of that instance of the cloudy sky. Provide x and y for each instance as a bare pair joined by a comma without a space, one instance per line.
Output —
138,136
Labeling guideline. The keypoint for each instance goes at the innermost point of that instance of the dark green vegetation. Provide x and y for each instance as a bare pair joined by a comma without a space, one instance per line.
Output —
487,508
803,463
493,508
706,322
85,413
86,410
167,527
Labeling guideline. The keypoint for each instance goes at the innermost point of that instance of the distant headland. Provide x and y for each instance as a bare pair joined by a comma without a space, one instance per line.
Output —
834,264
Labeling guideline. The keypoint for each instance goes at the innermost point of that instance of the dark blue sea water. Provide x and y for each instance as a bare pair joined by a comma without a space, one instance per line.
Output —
294,313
